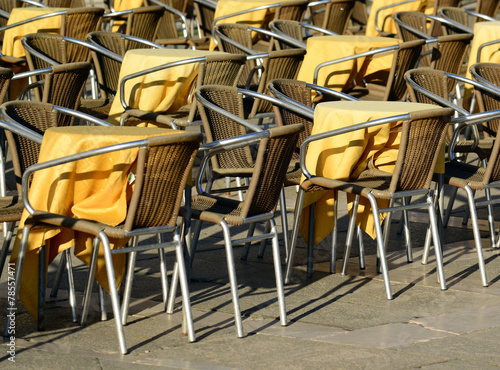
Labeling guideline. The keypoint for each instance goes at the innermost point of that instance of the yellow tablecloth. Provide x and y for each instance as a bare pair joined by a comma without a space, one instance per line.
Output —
255,19
484,32
12,37
343,157
94,188
163,91
386,15
321,49
127,4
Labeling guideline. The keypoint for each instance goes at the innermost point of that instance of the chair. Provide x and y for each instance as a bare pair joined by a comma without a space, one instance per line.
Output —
61,84
204,11
304,95
168,28
332,15
276,147
110,48
487,7
413,172
391,86
140,22
217,69
164,165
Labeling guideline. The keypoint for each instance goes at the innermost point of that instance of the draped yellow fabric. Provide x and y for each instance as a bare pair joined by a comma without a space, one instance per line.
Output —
12,37
95,188
338,76
164,91
384,19
120,5
484,32
343,157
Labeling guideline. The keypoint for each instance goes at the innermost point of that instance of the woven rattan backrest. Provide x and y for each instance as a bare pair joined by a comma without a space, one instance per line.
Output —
77,24
240,34
436,28
281,64
167,29
430,80
487,7
298,91
448,54
421,140
37,117
107,69
337,14
143,23
49,45
219,69
290,28
218,127
163,169
456,14
204,17
492,172
405,58
64,3
487,101
415,20
180,5
5,76
271,165
292,10
64,86
7,5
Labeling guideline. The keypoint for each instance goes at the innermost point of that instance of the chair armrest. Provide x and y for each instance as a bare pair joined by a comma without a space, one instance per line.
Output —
482,46
71,158
177,13
94,47
38,17
35,3
479,15
20,130
383,50
343,130
255,9
217,147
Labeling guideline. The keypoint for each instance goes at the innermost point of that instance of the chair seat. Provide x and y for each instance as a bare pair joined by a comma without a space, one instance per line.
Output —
96,107
11,208
460,174
215,209
370,181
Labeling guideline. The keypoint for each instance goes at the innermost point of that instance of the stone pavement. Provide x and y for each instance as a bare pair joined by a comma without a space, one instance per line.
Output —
335,321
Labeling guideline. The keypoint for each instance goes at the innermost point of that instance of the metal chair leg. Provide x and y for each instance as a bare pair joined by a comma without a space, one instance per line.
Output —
71,285
163,272
115,303
295,233
350,235
310,241
333,259
132,257
380,246
232,279
278,273
42,267
436,241
6,244
477,235
90,281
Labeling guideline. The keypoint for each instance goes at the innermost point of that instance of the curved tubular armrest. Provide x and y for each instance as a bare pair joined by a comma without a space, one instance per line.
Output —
78,114
217,147
480,84
411,29
227,114
95,47
72,158
38,17
178,13
383,50
482,46
35,3
320,2
29,87
453,23
143,41
340,131
318,29
4,14
21,130
326,91
117,14
257,8
302,110
207,3
152,70
471,120
43,57
479,15
279,36
387,7
31,73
